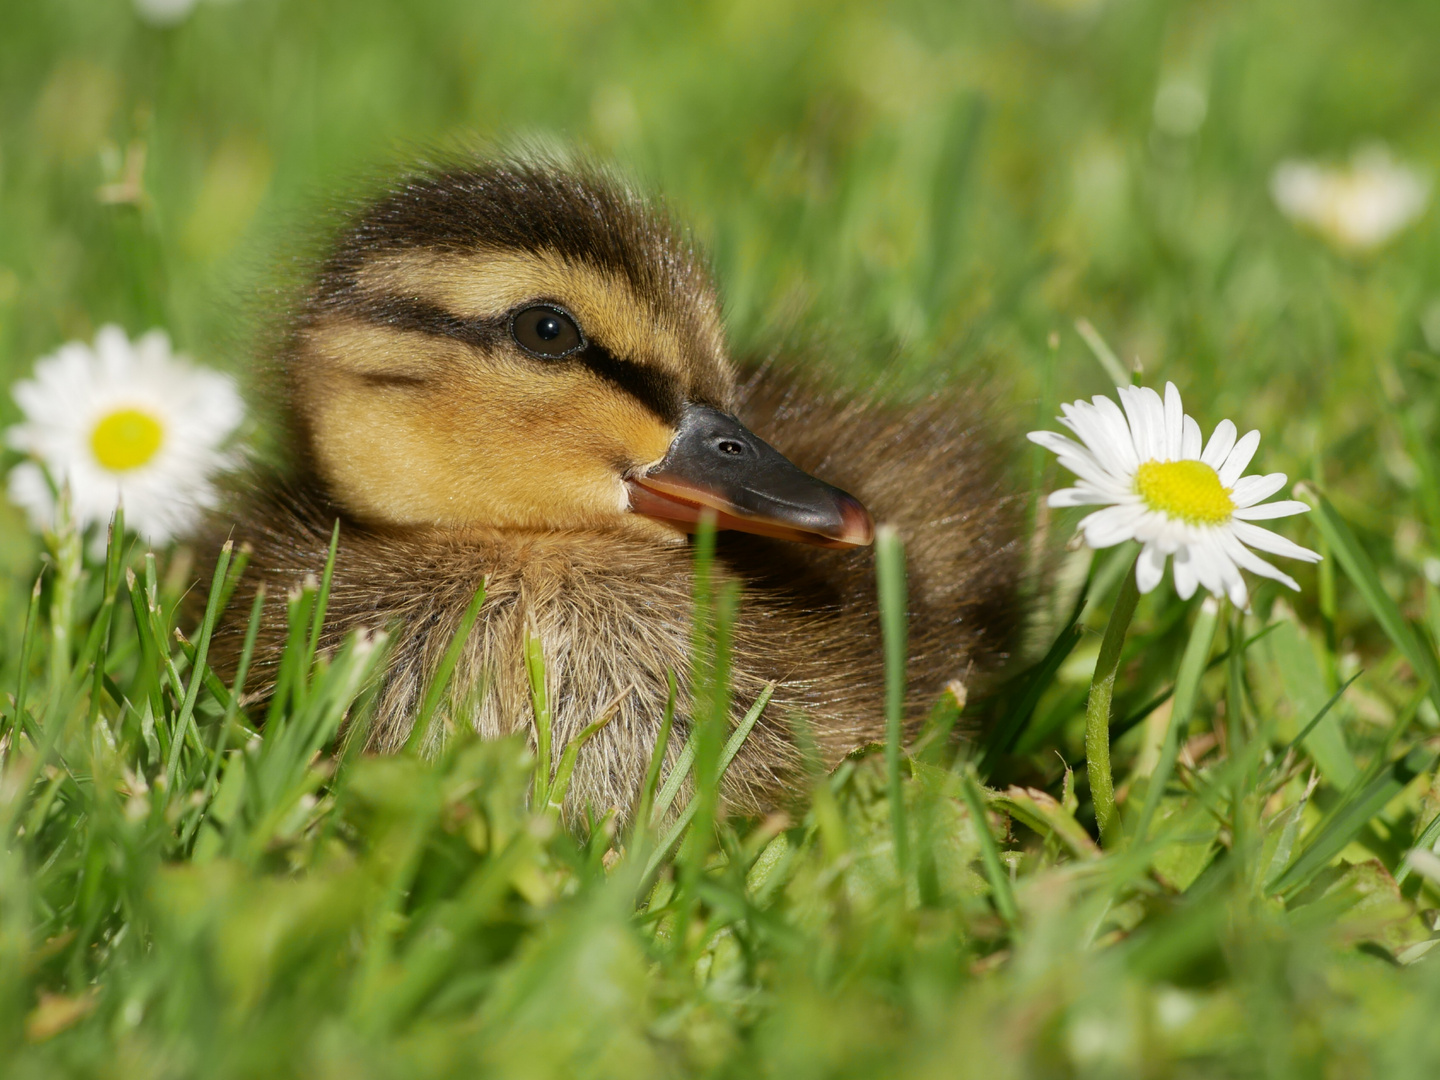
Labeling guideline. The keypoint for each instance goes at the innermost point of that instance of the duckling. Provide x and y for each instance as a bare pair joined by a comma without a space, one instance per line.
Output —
515,372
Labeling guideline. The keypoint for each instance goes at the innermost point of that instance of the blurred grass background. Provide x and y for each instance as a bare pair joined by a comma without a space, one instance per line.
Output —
930,191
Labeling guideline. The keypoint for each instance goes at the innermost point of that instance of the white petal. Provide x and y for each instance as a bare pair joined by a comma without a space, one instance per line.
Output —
1119,443
1070,453
1265,540
1190,443
1185,580
29,490
212,409
1252,562
1055,442
1174,423
1209,546
1147,432
1087,468
1238,459
1133,418
1149,568
93,493
1249,490
1165,532
29,396
1218,448
21,437
1265,511
1090,424
1080,495
113,348
153,347
1234,582
1111,526
1207,568
1154,408
1139,417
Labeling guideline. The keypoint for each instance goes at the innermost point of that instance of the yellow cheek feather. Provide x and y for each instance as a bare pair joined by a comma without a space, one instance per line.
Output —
481,440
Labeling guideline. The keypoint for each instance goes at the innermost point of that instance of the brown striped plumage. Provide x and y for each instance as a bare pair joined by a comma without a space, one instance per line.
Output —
450,456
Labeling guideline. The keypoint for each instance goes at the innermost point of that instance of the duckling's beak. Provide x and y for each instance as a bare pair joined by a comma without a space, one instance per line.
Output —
717,464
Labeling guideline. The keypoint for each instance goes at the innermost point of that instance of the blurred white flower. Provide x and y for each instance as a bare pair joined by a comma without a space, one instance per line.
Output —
163,12
123,421
167,12
1180,106
1356,208
1145,465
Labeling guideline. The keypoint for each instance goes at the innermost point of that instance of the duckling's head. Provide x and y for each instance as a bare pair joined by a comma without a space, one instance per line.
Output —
519,346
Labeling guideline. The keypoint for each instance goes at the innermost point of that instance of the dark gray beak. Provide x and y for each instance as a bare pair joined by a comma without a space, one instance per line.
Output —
717,464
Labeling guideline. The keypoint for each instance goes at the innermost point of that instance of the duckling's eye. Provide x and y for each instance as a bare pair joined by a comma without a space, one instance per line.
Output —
546,332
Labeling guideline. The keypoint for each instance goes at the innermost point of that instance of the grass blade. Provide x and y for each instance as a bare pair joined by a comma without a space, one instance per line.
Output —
98,647
197,671
1424,842
1361,571
995,871
27,641
1097,711
1187,683
440,681
1102,352
712,627
727,755
1332,836
555,799
1011,728
237,687
540,710
890,573
1308,728
657,759
674,780
322,600
1305,685
1120,727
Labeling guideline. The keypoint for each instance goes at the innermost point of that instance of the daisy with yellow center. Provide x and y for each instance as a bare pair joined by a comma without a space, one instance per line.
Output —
1356,208
123,420
1146,466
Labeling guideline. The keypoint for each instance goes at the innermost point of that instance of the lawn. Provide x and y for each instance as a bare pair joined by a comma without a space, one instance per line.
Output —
1037,198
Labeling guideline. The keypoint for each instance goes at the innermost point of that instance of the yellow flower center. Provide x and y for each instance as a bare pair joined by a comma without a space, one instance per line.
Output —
126,439
1188,490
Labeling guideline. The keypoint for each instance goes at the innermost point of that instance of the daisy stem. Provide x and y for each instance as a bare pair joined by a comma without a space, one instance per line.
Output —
1187,684
1097,711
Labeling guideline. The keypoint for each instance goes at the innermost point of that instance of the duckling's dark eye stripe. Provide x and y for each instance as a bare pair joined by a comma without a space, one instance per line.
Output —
650,388
405,313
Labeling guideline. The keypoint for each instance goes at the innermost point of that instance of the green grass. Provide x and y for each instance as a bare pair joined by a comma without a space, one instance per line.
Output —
916,193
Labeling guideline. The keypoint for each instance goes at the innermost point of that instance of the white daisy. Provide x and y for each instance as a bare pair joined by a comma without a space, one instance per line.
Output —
167,12
123,420
1357,208
163,12
1145,465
